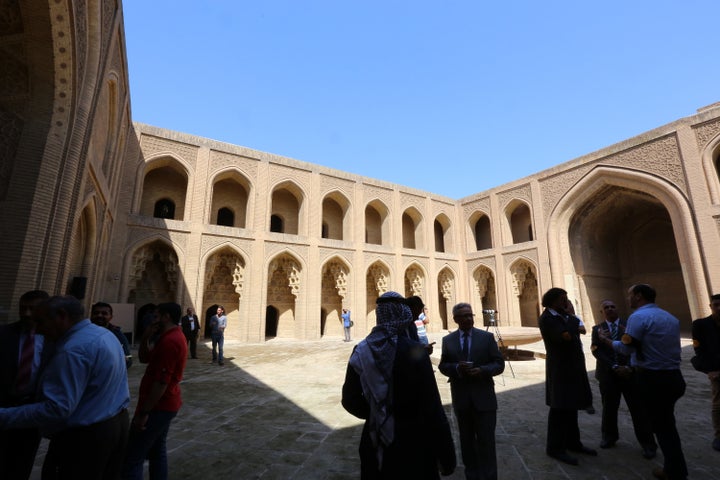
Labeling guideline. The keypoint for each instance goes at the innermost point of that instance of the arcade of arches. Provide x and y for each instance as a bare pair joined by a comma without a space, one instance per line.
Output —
142,214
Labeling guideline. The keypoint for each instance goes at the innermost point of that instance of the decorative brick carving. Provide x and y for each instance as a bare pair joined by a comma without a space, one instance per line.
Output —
520,271
81,39
706,132
660,157
13,74
380,277
407,200
482,204
328,184
415,279
382,194
151,145
520,193
10,131
222,161
150,252
283,173
339,272
446,283
288,268
482,276
221,266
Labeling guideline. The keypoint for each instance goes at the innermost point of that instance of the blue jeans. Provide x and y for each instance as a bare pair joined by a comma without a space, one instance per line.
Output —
218,339
151,444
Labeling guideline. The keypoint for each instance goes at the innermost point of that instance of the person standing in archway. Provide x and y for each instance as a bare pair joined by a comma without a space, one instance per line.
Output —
218,322
347,323
190,327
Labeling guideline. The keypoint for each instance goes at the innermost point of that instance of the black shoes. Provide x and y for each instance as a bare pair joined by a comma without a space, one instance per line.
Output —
607,443
649,452
564,457
585,450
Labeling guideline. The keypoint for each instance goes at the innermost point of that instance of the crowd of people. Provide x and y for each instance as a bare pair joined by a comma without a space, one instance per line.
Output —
390,384
65,377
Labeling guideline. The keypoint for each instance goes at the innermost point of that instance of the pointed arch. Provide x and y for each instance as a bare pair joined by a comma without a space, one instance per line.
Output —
165,181
335,286
442,232
415,280
335,212
231,193
447,294
480,230
154,273
412,232
377,226
377,282
284,283
663,213
525,290
287,202
518,216
484,290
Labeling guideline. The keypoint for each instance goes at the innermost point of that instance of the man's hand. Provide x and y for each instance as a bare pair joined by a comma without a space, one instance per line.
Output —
714,375
139,421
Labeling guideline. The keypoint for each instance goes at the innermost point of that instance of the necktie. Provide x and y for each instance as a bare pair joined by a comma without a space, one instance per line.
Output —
27,355
465,350
614,331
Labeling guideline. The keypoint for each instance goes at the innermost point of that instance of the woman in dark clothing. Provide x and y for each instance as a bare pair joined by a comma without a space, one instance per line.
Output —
390,383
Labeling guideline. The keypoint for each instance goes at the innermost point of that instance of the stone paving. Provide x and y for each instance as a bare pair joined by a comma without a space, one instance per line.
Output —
273,412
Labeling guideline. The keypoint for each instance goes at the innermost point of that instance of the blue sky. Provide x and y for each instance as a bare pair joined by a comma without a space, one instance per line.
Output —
452,97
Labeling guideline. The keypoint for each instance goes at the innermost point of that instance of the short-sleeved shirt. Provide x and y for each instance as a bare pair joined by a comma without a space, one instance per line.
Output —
166,365
659,335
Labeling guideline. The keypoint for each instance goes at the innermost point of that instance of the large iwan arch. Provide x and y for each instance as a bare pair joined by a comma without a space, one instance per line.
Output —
617,227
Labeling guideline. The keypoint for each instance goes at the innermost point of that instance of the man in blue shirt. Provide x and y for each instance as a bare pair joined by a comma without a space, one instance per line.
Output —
218,323
83,395
653,335
347,323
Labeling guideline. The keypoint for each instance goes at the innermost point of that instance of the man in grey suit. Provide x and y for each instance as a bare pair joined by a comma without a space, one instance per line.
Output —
471,358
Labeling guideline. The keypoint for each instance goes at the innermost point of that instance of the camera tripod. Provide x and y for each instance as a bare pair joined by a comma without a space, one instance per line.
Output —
493,324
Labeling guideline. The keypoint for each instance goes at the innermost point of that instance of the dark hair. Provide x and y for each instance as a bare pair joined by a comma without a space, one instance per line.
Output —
33,295
221,307
645,291
102,305
552,295
715,297
172,309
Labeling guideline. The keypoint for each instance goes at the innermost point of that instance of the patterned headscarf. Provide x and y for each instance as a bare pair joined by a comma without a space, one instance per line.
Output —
373,360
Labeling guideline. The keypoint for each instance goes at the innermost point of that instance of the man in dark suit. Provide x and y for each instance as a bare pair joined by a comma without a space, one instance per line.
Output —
615,374
471,358
567,388
190,327
17,386
706,341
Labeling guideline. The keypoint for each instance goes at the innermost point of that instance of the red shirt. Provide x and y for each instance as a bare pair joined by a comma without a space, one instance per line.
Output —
166,365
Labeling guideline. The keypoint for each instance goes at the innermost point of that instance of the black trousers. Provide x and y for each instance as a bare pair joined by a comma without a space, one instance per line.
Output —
660,390
17,452
563,431
611,390
93,452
